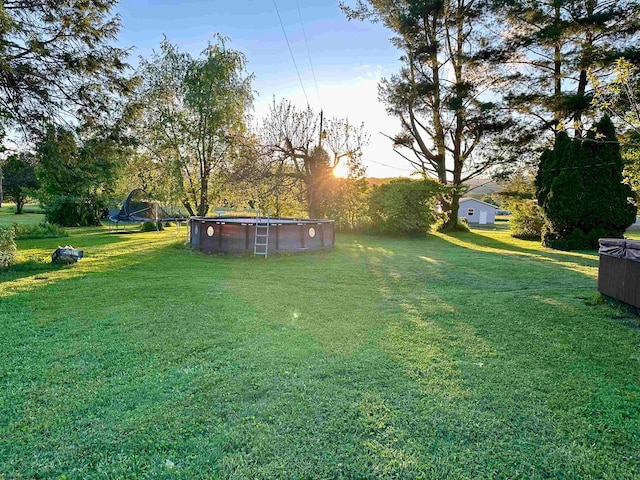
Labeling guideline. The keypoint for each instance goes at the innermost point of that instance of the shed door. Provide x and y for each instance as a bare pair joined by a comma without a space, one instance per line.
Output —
483,217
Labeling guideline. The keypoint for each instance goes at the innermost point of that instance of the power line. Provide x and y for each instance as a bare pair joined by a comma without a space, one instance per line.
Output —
579,167
480,186
315,81
385,165
291,51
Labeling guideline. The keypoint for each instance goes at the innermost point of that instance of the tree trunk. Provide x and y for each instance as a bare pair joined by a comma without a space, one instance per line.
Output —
458,156
557,70
453,211
203,207
312,198
19,204
189,208
577,119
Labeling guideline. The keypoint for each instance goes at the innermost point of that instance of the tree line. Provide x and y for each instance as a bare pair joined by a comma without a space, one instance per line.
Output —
484,87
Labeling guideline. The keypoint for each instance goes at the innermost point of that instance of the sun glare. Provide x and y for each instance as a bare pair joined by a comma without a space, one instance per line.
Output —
341,171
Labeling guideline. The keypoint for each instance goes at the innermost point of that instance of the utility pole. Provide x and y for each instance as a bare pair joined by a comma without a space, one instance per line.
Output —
320,135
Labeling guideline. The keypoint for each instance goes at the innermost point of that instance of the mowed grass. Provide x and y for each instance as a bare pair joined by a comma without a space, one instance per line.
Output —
465,356
31,216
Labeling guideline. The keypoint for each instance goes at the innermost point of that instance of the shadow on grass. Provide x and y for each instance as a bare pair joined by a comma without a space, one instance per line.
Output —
584,257
172,348
38,268
471,261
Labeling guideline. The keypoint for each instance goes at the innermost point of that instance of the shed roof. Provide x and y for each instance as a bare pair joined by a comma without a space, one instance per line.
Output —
462,200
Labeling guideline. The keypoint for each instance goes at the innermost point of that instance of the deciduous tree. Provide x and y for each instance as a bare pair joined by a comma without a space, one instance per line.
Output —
295,143
403,206
192,115
19,179
620,98
77,175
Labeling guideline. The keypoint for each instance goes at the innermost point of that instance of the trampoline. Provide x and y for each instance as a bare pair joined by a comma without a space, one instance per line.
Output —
237,235
140,207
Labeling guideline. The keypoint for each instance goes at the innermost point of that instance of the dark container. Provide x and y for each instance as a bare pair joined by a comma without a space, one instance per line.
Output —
619,270
237,235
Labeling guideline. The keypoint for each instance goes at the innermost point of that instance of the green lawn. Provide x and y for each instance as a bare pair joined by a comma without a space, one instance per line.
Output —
466,356
31,215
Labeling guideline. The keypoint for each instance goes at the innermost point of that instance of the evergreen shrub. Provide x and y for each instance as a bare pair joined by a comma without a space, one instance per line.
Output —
580,188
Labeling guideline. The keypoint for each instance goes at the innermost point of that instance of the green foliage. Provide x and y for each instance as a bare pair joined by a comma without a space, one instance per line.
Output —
57,61
631,172
73,211
7,247
77,177
33,264
518,196
347,203
577,38
526,220
620,98
151,226
190,119
291,154
403,206
448,131
41,230
489,199
580,187
19,179
346,199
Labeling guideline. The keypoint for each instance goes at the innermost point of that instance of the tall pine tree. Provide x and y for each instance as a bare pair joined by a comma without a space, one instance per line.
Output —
58,63
550,46
446,95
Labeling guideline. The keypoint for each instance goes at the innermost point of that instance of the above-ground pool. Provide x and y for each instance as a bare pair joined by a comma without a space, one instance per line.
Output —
237,235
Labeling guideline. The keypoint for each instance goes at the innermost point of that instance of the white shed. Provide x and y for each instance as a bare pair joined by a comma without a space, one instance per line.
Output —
477,212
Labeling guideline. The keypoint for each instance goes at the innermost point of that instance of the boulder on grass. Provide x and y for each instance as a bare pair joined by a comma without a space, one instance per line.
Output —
66,255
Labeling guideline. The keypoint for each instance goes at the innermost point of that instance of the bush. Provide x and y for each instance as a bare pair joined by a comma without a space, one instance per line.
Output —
526,220
72,211
151,226
403,206
7,247
42,230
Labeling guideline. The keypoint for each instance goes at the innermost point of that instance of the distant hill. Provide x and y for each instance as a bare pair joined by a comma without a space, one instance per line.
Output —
477,186
379,181
482,186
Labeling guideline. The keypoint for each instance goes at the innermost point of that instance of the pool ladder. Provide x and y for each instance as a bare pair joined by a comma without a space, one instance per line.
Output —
261,240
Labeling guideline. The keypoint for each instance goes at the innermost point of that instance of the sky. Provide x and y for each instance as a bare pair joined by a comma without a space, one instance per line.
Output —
348,57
